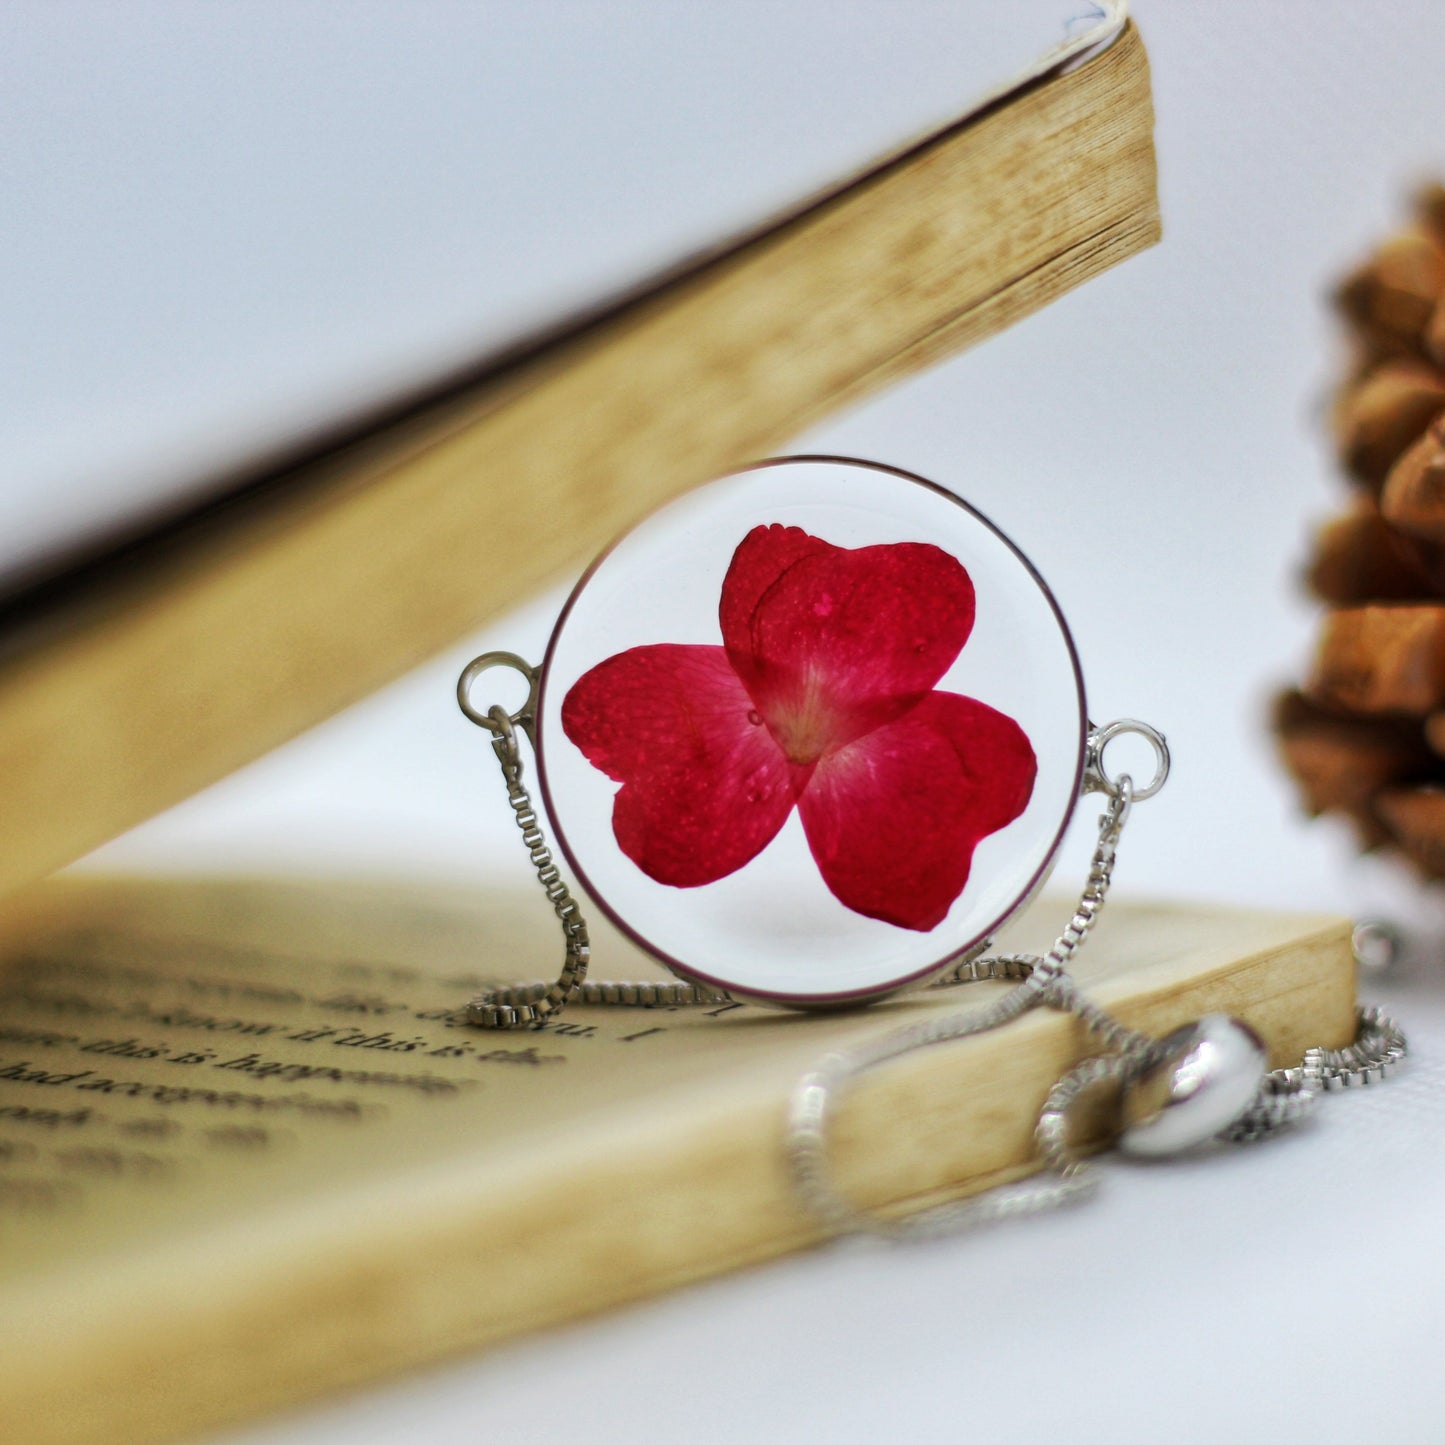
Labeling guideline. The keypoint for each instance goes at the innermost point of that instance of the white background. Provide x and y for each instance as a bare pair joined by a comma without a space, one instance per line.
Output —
1154,442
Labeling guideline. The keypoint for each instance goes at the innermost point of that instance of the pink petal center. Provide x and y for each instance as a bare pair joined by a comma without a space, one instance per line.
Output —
806,720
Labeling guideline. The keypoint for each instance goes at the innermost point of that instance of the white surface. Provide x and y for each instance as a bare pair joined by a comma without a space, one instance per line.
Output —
773,927
225,224
1153,443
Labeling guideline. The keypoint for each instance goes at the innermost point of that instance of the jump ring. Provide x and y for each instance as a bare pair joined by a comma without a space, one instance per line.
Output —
523,717
1100,738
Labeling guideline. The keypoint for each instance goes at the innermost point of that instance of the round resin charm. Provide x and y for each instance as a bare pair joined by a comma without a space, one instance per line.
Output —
811,732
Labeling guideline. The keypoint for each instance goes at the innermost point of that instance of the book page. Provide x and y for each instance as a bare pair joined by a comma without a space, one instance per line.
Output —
249,1152
173,1054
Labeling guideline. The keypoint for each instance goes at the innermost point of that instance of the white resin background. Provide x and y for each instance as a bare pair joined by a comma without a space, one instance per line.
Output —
1155,443
772,927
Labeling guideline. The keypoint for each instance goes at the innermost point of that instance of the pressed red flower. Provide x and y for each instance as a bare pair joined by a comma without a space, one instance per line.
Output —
821,697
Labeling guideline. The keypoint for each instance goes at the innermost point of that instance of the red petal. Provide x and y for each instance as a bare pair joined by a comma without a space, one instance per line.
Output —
893,818
760,560
840,640
704,786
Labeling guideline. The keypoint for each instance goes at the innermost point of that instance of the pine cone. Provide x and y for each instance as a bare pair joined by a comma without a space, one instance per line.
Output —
1365,735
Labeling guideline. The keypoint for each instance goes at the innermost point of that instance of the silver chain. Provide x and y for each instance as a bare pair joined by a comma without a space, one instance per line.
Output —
1284,1096
1044,981
1288,1094
530,1004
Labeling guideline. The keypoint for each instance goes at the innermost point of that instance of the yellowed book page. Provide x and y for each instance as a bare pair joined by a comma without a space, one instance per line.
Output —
228,1105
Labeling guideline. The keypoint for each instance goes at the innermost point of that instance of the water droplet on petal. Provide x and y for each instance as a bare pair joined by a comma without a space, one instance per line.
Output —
754,717
755,785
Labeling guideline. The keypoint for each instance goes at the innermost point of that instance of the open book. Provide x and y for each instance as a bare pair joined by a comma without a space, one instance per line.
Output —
249,1151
